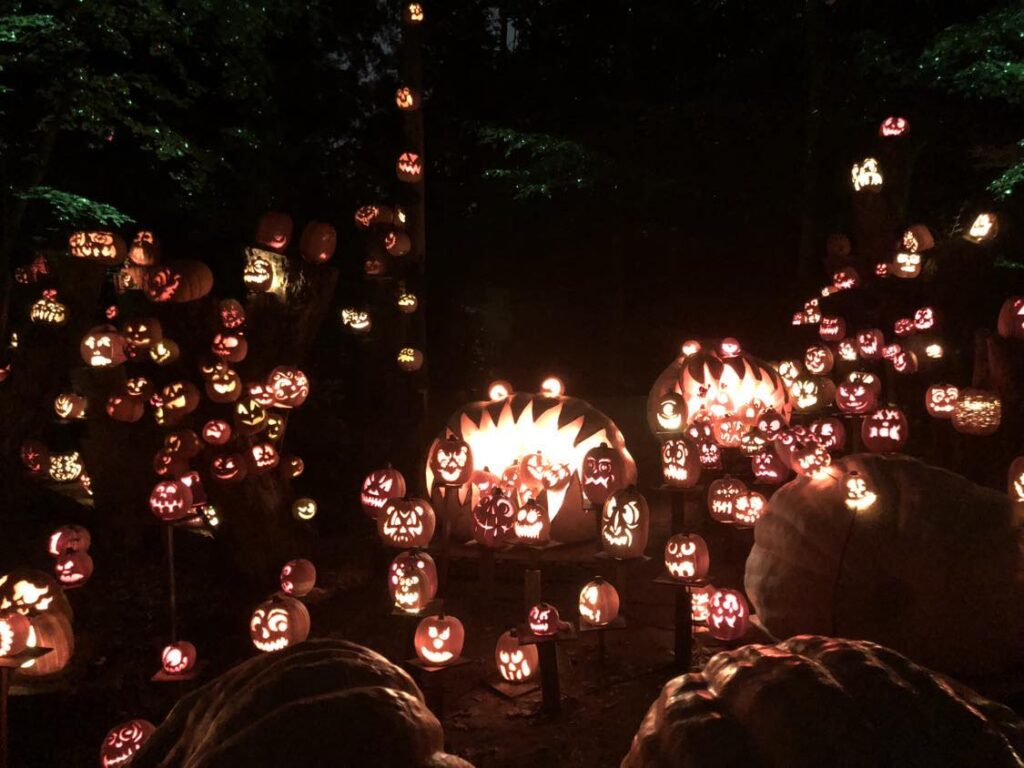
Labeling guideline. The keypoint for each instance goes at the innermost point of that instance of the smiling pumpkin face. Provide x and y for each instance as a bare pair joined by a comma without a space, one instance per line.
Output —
123,741
279,623
178,658
412,581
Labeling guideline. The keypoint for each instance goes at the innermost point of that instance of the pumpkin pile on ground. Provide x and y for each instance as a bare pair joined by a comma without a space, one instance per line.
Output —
933,566
817,701
325,702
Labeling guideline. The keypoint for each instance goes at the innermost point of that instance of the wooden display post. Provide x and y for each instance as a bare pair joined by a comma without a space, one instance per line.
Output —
601,630
7,666
682,617
547,651
437,681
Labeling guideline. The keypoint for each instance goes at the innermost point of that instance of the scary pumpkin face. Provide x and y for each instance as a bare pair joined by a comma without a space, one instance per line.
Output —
47,310
356,320
768,467
906,265
379,486
940,400
984,227
832,328
231,347
438,640
866,176
603,470
494,519
516,663
722,496
977,412
298,577
543,620
289,385
532,526
598,603
409,167
170,500
856,397
279,623
259,274
103,347
106,247
687,557
452,461
728,615
406,523
412,581
894,126
178,658
680,462
884,430
145,249
123,741
66,467
625,521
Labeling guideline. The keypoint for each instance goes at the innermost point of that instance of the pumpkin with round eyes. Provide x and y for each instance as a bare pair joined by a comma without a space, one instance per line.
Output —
904,326
752,442
940,400
123,741
231,347
687,557
279,623
171,500
771,424
543,620
103,347
379,486
274,230
894,126
728,615
289,386
68,538
298,577
304,509
670,415
748,508
811,393
178,658
925,319
884,430
318,241
516,663
709,454
680,462
438,640
406,523
15,631
494,519
768,467
598,603
977,412
603,473
412,580
451,460
830,431
105,247
179,282
625,523
409,168
532,526
143,332
223,384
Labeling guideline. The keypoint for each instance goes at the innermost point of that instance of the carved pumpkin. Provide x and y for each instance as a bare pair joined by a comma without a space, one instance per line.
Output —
413,14
70,405
397,243
164,352
170,500
318,242
229,467
1015,482
379,486
412,580
223,384
984,227
298,577
532,526
406,523
438,640
304,509
831,328
1010,323
35,456
143,332
68,538
356,320
625,522
867,176
830,432
409,167
47,310
289,385
451,460
123,741
231,347
407,99
906,265
856,397
728,615
543,620
177,399
516,663
178,658
748,508
15,631
894,127
598,603
671,413
494,519
722,496
884,430
768,467
680,462
103,347
279,623
940,400
66,467
145,249
250,415
263,457
179,282
687,557
274,230
977,412
407,303
410,359
216,432
603,473
73,569
105,247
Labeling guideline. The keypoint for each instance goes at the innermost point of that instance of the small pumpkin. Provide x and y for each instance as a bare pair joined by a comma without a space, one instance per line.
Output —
279,623
438,640
516,663
298,577
412,580
598,603
406,523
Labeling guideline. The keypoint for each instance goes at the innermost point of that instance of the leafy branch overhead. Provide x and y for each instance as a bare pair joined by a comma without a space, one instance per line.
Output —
538,165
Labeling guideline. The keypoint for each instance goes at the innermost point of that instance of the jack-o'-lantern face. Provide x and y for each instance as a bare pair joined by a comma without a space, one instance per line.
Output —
598,603
264,456
178,658
907,264
904,326
807,454
680,462
728,614
700,603
768,467
304,509
728,429
543,620
847,350
70,405
532,524
107,247
178,398
250,415
231,313
940,400
28,594
164,352
356,320
832,328
412,581
407,303
846,279
123,741
406,523
223,384
866,175
812,312
143,333
806,394
924,319
170,500
494,519
298,577
452,461
869,344
73,569
748,508
602,473
216,432
406,98
752,442
15,631
409,167
984,227
397,243
516,663
47,310
831,432
366,215
145,249
379,486
410,359
66,467
790,371
818,359
884,430
858,494
232,347
163,284
290,386
686,557
770,424
279,623
709,453
274,230
625,521
671,413
374,265
904,361
103,347
722,496
413,13
894,126
258,273
439,639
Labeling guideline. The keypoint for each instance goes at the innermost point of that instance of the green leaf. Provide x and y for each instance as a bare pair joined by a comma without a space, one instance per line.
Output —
75,209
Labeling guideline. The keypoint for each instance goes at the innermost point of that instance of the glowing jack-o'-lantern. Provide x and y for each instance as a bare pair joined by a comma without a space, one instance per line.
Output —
409,167
178,658
73,569
144,332
722,496
68,538
603,473
680,462
231,347
304,509
770,424
870,343
250,415
1015,481
47,310
70,405
516,663
318,242
263,457
397,243
35,456
170,500
494,519
406,523
671,413
410,359
859,495
231,313
866,175
893,127
847,350
532,526
179,282
904,361
106,247
832,328
413,13
884,430
65,467
438,640
379,486
145,249
903,327
103,347
768,467
748,508
407,99
598,603
279,623
856,397
123,741
274,230
412,581
977,412
728,429
451,460
15,631
289,385
223,384
407,302
907,265
940,400
164,352
543,620
811,394
298,577
846,279
229,467
625,522
264,271
356,320
728,615
552,386
818,359
984,227
1010,323
700,602
687,557
830,431
804,452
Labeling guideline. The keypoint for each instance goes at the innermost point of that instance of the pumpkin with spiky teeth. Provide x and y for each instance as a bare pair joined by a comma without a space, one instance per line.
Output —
379,486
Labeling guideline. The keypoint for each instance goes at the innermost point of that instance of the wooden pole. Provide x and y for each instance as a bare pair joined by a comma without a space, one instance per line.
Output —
171,581
551,694
5,686
684,628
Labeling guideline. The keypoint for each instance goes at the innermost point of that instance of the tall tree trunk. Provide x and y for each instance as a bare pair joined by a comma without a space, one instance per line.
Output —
816,50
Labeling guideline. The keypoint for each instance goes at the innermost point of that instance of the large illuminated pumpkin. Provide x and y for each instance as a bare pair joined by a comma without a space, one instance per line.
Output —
559,431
